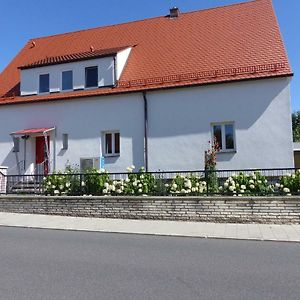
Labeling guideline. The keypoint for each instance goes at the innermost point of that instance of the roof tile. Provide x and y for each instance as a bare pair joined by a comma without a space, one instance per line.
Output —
234,42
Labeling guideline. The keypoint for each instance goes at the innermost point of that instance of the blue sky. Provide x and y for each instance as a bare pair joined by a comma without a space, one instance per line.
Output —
22,20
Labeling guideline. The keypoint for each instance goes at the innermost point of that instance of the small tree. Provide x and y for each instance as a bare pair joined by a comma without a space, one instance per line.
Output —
210,166
296,126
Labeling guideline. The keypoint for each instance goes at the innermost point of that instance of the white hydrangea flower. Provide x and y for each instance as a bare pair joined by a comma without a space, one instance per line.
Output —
127,180
174,186
82,183
68,184
277,184
105,191
252,187
56,192
129,170
140,185
132,167
142,177
106,184
226,184
140,190
286,190
135,183
231,188
243,187
119,191
251,181
166,185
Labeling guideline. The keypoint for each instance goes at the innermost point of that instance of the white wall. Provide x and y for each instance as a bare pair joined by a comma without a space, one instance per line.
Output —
84,121
30,77
121,61
180,125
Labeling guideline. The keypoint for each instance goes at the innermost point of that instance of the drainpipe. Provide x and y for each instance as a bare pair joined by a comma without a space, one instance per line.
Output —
145,131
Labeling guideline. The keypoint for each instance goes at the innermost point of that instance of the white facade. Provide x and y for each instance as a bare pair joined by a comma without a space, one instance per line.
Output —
179,127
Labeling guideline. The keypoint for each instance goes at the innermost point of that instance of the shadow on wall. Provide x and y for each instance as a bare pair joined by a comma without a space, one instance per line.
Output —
191,111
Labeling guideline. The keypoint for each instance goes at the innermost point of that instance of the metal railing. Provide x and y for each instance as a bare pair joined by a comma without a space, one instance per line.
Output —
157,183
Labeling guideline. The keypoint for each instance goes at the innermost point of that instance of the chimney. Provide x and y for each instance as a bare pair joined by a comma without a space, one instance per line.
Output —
174,12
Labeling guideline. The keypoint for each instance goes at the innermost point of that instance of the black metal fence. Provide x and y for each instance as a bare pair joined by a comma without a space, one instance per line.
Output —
202,182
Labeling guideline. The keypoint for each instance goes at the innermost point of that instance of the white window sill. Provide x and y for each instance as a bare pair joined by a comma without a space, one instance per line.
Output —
111,155
227,151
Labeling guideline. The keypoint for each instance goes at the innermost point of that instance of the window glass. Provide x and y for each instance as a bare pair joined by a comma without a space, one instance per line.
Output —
44,83
117,142
16,141
91,77
229,139
218,134
67,80
108,143
65,138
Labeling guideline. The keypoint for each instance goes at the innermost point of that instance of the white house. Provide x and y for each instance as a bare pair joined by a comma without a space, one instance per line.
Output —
151,93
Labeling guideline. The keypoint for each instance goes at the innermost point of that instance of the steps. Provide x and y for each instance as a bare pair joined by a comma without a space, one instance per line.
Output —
25,187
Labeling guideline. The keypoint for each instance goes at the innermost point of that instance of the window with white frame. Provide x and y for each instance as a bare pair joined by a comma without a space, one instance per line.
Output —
224,135
111,143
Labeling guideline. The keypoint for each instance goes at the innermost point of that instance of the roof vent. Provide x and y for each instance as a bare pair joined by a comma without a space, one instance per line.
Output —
174,12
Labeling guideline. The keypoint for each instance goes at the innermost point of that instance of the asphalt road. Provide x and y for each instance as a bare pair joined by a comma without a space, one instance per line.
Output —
51,264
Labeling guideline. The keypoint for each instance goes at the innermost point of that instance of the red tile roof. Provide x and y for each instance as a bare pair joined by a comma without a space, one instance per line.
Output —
54,60
234,42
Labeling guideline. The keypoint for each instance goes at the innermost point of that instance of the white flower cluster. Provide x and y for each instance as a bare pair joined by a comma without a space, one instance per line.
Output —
242,183
186,185
57,185
114,187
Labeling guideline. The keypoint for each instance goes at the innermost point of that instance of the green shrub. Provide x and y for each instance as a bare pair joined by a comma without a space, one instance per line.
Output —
245,184
189,185
289,184
93,182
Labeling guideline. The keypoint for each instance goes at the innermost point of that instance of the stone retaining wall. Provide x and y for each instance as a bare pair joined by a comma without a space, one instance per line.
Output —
211,209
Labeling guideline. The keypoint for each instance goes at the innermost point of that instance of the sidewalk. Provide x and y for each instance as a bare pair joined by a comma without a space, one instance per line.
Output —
267,232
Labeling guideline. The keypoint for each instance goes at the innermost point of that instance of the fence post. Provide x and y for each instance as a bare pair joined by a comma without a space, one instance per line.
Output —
3,180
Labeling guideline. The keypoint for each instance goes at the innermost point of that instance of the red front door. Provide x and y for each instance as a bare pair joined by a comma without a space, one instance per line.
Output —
41,158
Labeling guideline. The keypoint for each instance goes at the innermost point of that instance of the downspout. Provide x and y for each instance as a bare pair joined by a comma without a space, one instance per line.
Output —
145,131
115,72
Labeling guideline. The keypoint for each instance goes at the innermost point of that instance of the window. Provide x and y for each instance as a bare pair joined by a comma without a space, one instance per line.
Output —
224,135
91,77
89,163
44,83
16,141
111,143
65,140
67,80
